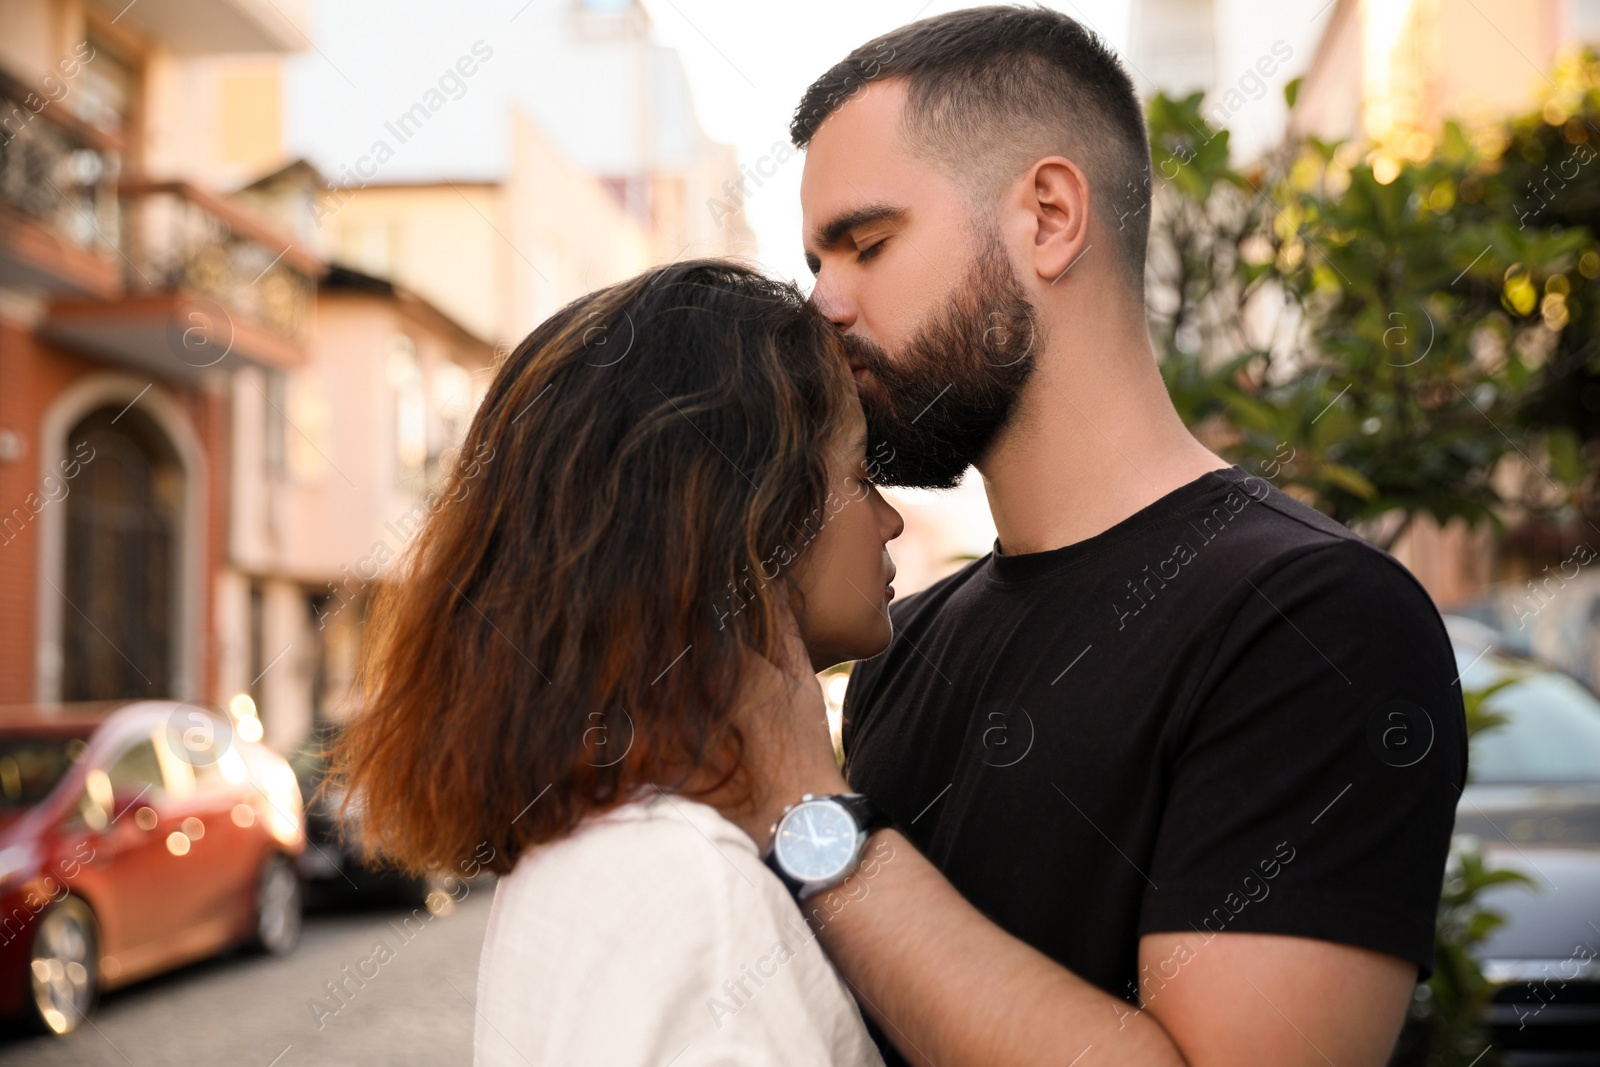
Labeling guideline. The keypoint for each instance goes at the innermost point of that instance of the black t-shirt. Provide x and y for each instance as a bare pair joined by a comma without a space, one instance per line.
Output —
1226,713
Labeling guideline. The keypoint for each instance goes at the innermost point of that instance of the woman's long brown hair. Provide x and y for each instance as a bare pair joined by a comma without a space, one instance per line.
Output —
571,622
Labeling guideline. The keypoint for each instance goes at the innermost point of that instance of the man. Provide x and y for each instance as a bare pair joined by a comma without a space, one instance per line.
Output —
1173,770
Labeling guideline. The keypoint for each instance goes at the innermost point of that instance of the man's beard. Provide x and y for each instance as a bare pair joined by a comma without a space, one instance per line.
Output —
934,409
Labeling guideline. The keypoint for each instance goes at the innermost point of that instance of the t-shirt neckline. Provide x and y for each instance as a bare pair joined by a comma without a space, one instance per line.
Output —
1021,568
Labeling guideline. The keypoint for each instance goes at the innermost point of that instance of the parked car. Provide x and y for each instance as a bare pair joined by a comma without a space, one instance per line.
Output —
133,839
335,868
1533,802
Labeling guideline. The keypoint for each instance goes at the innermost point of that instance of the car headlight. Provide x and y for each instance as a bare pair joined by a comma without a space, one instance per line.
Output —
282,791
16,860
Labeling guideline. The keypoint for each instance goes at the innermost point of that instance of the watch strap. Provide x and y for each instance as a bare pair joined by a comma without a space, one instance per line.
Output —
869,816
792,884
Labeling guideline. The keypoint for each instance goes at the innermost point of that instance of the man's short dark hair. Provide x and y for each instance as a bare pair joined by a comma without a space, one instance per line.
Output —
993,90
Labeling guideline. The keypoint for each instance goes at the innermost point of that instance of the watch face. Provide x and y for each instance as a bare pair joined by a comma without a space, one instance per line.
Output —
816,840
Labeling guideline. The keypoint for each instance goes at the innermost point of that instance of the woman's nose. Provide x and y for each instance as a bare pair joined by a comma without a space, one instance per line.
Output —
891,522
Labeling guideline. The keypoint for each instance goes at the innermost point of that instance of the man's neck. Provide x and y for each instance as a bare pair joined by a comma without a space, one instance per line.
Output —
1094,440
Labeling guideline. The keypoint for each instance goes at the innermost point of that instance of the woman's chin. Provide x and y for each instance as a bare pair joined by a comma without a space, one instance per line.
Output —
863,646
874,643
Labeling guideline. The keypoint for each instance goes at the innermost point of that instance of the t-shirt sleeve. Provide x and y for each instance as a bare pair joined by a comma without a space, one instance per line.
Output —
1315,779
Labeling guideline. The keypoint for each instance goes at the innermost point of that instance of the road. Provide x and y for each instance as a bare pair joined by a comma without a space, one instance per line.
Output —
407,1002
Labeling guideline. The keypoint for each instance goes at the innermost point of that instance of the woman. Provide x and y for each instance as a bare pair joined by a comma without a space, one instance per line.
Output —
666,529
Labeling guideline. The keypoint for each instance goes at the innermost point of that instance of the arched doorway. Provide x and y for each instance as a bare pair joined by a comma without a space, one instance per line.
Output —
120,561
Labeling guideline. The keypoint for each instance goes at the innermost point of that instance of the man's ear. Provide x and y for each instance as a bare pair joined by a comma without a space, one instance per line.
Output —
1057,196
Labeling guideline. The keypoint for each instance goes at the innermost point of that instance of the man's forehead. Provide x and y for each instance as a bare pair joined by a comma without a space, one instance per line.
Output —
873,109
855,157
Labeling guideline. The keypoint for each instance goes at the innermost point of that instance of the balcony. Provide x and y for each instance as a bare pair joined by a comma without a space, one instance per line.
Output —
203,281
58,206
198,27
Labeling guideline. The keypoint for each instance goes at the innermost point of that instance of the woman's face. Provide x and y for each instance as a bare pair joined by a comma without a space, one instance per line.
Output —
845,570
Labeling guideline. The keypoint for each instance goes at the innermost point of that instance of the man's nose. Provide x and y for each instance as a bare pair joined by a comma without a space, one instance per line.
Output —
833,304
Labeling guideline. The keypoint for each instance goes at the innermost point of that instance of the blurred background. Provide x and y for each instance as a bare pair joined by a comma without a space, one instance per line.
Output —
258,258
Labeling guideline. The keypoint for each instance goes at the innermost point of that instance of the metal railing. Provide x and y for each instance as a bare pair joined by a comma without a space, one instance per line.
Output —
56,168
177,236
166,237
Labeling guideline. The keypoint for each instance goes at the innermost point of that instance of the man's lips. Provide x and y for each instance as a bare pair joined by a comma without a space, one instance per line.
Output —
858,372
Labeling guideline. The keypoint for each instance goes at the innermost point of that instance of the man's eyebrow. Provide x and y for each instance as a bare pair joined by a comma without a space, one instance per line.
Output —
834,230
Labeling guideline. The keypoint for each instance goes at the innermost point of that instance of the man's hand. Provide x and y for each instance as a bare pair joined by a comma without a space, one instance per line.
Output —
787,742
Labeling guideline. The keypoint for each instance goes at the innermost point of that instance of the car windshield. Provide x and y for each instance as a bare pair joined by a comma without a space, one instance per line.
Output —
1552,729
31,766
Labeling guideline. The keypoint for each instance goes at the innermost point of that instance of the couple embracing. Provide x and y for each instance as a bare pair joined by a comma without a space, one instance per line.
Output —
1116,793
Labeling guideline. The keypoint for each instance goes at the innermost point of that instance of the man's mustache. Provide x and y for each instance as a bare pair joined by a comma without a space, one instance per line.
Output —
860,352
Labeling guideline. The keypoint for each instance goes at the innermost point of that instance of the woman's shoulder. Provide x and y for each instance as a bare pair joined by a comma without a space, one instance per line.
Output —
645,833
664,858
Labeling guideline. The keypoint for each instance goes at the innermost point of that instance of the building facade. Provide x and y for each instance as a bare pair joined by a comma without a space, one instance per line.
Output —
229,383
130,292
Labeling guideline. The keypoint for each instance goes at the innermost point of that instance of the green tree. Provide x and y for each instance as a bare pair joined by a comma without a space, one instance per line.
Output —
1368,332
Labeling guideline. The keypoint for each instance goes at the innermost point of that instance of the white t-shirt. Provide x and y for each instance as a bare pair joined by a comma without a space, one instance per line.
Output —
655,936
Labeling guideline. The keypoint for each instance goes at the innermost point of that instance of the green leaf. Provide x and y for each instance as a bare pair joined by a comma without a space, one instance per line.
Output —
1566,455
1349,479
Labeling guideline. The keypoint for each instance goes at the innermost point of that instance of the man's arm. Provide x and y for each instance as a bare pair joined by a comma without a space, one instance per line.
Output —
951,988
1266,998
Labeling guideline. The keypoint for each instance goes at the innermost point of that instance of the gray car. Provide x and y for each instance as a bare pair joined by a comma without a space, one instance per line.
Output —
1533,802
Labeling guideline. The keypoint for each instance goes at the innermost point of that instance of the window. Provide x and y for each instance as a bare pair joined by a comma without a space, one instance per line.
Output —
310,447
410,410
30,767
108,90
253,102
196,739
450,389
257,642
274,425
136,773
1552,728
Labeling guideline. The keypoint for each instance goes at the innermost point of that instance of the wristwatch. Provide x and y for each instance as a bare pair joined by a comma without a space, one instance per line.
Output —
816,843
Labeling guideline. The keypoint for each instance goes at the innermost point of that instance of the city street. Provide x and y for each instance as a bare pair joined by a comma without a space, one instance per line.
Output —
409,1003
396,397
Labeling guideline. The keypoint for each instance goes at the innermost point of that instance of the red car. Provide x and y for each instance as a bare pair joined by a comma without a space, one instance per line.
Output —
134,839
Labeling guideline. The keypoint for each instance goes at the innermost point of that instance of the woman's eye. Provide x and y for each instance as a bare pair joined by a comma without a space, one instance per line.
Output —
870,251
